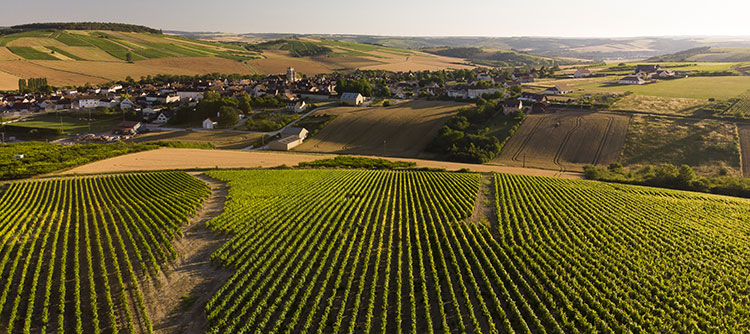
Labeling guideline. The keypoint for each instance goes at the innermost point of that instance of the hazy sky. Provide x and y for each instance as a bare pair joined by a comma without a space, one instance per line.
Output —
569,18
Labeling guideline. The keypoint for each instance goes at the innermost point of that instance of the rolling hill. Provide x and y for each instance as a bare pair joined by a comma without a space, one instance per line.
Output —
707,54
75,54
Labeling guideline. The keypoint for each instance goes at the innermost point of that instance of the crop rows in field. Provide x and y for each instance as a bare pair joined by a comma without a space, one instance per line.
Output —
390,252
589,256
73,250
741,108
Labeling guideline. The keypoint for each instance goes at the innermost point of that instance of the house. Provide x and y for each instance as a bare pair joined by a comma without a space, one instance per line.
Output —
209,124
163,117
127,104
646,69
512,105
582,73
632,80
297,107
484,77
665,73
533,97
301,133
558,90
526,79
88,102
127,128
315,96
352,99
189,95
474,93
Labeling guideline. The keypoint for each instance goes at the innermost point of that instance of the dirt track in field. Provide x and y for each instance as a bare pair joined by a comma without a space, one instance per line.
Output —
176,300
185,158
402,130
566,141
744,132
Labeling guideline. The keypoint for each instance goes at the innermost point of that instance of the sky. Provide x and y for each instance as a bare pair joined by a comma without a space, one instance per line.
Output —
495,18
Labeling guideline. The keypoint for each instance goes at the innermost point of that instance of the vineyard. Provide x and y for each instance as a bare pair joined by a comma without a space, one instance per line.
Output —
74,250
390,252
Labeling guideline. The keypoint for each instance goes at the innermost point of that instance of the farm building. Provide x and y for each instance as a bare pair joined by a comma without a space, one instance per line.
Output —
582,73
209,124
533,97
127,128
301,133
632,80
285,144
511,105
558,90
352,99
647,69
297,107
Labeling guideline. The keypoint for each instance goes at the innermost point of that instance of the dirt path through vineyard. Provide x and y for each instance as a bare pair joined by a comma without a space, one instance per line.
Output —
176,299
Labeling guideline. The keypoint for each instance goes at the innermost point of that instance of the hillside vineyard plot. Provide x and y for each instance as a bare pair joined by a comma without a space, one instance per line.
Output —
390,252
74,249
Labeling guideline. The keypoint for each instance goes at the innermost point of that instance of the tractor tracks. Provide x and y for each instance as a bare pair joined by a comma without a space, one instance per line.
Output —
526,140
563,144
599,149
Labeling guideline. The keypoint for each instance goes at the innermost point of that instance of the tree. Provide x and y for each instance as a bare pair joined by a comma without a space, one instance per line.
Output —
129,57
227,117
244,103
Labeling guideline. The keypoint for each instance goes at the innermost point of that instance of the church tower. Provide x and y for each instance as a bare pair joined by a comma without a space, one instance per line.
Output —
291,75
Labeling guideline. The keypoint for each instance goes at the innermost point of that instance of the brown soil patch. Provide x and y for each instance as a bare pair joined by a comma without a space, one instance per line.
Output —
404,128
186,158
484,207
176,298
567,140
5,54
744,132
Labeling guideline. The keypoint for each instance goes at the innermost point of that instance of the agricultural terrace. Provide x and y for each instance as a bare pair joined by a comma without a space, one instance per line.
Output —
401,130
705,145
566,140
390,251
75,251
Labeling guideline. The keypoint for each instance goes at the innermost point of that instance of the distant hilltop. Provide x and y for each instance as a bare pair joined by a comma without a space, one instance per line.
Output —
80,26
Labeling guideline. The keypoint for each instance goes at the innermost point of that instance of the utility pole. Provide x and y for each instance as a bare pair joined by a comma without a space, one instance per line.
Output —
384,148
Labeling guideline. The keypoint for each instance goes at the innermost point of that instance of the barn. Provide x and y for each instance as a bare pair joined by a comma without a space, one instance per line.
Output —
352,99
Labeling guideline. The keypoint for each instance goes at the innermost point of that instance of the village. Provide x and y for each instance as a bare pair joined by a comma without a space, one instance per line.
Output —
153,105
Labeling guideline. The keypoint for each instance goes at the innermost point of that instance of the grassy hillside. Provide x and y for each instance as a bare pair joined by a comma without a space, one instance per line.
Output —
708,54
86,55
499,58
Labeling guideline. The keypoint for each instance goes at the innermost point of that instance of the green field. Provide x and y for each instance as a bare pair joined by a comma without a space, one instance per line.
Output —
693,87
359,251
26,52
705,145
374,251
101,236
72,124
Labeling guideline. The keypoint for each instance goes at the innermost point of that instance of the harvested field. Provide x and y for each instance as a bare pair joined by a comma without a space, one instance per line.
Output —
28,69
405,129
567,140
706,145
185,158
8,81
5,54
220,139
89,53
744,133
